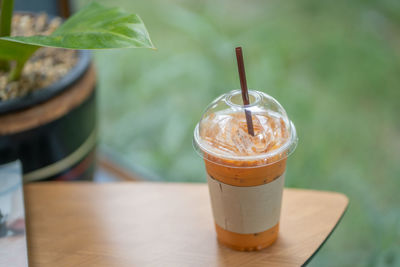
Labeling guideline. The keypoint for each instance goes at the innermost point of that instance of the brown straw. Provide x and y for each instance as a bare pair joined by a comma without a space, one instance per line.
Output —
245,93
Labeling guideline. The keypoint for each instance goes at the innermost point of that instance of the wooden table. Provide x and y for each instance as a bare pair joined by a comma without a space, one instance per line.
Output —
155,224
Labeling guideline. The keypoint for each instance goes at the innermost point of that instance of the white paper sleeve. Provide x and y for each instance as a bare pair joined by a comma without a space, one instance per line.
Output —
246,210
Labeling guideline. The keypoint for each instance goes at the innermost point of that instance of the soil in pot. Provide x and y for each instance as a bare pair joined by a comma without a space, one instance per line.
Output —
46,66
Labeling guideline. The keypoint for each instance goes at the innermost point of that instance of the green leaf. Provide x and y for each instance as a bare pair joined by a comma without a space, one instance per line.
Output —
94,27
10,50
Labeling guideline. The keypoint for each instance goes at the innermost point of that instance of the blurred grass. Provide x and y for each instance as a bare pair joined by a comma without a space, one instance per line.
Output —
334,66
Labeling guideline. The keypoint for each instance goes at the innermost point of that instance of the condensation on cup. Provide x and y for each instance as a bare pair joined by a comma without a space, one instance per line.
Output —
245,173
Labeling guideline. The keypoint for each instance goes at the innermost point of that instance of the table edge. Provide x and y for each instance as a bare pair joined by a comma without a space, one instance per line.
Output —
330,233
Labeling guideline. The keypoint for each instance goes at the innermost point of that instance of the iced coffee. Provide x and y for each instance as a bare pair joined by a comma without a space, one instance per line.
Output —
245,172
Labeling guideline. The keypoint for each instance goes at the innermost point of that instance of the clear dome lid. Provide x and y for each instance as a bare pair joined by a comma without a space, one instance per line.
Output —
222,135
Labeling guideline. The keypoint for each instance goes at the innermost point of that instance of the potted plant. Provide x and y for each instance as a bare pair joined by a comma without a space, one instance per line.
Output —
47,95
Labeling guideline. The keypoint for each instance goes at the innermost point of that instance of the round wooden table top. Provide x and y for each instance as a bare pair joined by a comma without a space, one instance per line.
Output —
161,224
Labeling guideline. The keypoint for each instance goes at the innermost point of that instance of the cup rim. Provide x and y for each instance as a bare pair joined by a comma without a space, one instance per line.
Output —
286,150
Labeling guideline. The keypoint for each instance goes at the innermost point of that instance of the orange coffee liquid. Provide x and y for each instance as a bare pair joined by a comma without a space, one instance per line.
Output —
236,165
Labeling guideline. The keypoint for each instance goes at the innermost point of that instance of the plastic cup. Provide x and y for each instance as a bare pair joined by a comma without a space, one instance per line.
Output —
245,173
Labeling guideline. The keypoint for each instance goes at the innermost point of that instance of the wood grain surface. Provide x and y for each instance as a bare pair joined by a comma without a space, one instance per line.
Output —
154,224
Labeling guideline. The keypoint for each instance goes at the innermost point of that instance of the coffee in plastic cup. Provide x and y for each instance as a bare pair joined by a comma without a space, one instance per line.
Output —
245,173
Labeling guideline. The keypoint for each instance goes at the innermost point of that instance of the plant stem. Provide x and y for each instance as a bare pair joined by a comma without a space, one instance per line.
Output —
4,65
5,26
16,72
6,17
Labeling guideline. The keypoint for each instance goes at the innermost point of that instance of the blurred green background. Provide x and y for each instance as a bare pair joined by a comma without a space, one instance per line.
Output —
334,66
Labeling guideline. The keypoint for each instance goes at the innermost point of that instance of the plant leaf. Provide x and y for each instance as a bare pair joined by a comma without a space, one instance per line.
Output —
94,27
10,50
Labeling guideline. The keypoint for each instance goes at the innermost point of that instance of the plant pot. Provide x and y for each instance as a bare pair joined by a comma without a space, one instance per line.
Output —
52,131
